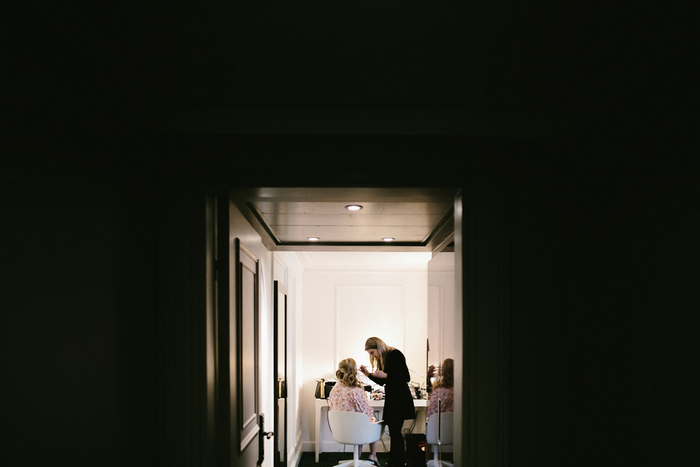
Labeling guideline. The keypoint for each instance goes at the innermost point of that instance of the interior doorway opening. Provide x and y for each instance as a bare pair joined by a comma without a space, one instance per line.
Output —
272,213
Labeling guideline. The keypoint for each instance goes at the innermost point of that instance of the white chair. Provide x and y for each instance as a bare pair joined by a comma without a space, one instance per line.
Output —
439,435
356,429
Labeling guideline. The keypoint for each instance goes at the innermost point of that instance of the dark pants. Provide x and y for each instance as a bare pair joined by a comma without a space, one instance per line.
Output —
396,455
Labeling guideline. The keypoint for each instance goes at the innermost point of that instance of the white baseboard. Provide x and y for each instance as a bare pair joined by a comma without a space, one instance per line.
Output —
296,453
296,456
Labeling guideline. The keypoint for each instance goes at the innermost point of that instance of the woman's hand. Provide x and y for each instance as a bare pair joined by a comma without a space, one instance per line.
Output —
364,371
379,374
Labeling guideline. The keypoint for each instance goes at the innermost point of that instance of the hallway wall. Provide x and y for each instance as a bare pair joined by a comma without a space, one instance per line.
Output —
249,237
604,322
79,332
288,270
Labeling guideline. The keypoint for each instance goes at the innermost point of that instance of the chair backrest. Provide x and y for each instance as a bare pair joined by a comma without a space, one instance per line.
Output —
353,428
446,428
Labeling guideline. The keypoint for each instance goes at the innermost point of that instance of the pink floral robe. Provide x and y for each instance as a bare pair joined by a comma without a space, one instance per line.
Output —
446,395
350,399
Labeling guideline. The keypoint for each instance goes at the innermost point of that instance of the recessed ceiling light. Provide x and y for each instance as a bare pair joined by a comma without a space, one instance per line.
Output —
388,239
353,207
313,239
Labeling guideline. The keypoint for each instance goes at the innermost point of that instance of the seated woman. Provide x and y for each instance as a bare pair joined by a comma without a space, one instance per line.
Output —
349,396
443,390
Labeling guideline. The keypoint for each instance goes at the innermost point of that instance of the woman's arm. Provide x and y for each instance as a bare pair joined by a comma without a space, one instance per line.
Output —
396,369
360,404
378,377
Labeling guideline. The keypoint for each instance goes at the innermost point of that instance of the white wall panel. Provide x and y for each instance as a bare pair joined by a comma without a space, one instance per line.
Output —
366,311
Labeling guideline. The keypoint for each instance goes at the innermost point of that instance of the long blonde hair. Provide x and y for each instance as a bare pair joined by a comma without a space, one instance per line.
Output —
447,374
347,373
382,348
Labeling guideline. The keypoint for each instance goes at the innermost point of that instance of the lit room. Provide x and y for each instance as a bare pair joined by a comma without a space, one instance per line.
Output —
347,297
337,296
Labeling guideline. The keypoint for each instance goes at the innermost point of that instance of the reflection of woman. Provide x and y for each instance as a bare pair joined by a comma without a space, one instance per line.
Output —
391,372
443,390
349,396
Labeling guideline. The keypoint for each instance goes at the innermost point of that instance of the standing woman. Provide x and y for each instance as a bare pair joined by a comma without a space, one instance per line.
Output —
393,374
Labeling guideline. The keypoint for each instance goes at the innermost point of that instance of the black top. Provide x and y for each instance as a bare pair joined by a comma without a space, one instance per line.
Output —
398,403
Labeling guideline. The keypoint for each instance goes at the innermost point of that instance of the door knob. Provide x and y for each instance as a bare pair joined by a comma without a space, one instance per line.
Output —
262,436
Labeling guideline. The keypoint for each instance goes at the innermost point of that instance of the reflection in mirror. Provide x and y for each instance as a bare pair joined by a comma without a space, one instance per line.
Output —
441,388
441,307
440,356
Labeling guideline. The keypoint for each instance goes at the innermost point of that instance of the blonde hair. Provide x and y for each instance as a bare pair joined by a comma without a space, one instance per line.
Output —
382,348
347,373
447,375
